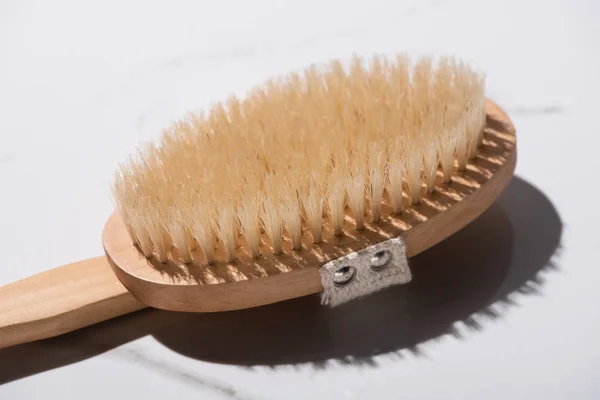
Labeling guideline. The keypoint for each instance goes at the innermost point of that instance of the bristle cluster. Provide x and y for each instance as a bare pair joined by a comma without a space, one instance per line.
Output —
300,151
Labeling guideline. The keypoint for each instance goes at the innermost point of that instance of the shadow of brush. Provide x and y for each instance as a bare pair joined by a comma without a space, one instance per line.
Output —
470,278
450,283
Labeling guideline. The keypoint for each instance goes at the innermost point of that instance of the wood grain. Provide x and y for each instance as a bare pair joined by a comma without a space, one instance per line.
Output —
61,300
249,282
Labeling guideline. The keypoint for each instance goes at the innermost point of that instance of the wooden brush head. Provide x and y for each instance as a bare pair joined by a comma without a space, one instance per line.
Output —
250,282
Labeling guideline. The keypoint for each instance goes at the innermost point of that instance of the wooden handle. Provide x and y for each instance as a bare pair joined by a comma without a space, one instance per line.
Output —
61,300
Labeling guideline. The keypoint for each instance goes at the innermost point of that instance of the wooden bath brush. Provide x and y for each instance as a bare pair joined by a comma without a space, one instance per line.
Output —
324,181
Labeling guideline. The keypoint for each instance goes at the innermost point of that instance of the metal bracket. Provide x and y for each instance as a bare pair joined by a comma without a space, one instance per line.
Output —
364,272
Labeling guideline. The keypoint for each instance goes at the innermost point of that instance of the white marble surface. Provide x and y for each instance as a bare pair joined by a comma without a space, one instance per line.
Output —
516,315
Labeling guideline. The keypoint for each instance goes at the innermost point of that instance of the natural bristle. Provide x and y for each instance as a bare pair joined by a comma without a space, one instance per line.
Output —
336,203
377,171
301,153
250,224
227,232
272,222
312,202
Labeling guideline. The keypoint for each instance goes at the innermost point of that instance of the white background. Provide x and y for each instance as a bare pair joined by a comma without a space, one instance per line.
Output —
510,309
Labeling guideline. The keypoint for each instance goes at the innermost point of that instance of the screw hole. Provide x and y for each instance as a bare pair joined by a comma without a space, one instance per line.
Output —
344,275
380,260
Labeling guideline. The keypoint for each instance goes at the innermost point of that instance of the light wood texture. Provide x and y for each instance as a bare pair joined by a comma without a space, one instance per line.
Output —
253,282
61,300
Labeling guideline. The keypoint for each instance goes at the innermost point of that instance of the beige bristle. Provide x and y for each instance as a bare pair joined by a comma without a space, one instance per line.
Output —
336,127
400,127
430,164
447,146
199,223
431,130
157,233
227,232
248,215
426,105
272,224
358,141
188,236
394,188
457,109
249,208
322,137
178,233
312,202
462,148
292,219
377,171
336,201
141,234
121,192
413,162
128,204
477,118
481,117
471,86
153,215
271,215
355,188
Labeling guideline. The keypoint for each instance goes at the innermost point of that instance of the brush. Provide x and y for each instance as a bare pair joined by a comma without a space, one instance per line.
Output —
284,193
